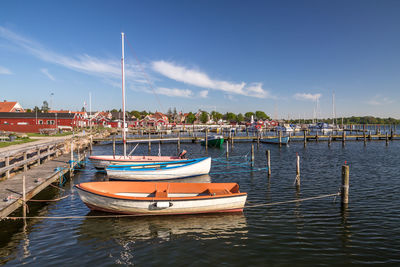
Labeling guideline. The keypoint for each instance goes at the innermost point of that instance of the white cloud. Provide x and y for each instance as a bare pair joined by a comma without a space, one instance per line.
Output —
46,72
5,71
109,68
203,94
305,96
175,92
200,79
379,100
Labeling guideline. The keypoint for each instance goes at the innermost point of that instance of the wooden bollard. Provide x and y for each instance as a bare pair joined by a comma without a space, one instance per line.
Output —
280,138
391,133
316,136
6,165
179,142
113,146
269,162
71,165
330,139
364,136
387,138
252,155
297,170
206,137
38,156
149,147
305,138
232,140
369,135
258,140
23,197
227,149
25,164
91,143
343,138
345,184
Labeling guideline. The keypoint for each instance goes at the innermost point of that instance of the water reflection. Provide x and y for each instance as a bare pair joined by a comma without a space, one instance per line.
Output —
206,226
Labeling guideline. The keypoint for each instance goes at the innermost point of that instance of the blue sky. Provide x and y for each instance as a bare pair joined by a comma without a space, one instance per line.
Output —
283,57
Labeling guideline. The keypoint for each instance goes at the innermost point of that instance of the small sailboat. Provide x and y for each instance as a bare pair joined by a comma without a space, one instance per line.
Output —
102,161
160,171
213,141
147,198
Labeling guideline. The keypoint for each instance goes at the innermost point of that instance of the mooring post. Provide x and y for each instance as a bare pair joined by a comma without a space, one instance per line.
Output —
38,156
232,140
7,164
268,152
252,155
25,163
387,139
113,146
227,149
316,136
369,135
297,170
179,142
345,184
206,137
149,147
71,165
280,138
343,138
305,138
329,139
258,140
91,143
23,197
391,133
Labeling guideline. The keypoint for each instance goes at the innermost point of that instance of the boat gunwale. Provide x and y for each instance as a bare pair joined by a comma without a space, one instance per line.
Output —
191,198
128,168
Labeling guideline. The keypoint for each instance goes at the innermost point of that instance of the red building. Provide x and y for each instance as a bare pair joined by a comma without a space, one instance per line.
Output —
32,122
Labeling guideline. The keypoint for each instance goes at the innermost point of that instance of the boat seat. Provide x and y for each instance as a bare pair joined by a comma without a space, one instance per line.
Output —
214,192
161,194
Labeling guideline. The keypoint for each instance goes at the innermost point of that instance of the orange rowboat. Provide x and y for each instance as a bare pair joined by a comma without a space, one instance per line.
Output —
147,198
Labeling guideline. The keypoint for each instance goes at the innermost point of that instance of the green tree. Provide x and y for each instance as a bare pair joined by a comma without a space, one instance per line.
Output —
45,107
216,116
28,110
204,117
190,118
240,117
136,114
261,115
248,115
229,116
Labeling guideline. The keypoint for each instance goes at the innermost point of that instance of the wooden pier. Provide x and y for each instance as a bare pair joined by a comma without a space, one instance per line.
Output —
36,170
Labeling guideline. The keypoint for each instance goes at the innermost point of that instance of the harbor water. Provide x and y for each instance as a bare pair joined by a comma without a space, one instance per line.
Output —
304,233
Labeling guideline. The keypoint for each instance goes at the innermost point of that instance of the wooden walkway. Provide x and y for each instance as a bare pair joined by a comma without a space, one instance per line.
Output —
36,179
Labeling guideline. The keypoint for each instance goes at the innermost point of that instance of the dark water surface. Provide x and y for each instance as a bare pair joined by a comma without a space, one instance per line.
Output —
314,232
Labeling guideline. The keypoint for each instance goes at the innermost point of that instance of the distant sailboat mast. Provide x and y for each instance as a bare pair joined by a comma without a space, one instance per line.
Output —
123,95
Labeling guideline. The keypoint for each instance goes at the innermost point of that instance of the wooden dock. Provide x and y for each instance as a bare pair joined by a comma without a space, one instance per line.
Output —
39,168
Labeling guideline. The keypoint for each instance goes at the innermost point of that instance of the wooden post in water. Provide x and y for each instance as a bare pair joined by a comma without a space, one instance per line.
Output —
305,138
227,149
297,170
179,142
71,165
316,136
343,138
23,197
114,146
232,140
391,133
91,143
329,139
268,152
6,165
258,140
345,184
252,155
25,164
206,137
387,138
38,155
369,135
280,138
149,144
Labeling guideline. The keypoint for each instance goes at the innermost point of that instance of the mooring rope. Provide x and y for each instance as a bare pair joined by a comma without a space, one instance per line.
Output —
135,215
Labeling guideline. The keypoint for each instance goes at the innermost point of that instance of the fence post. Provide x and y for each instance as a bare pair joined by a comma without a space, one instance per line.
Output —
25,164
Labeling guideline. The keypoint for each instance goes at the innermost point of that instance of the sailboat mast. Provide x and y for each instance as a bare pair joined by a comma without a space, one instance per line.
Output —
123,95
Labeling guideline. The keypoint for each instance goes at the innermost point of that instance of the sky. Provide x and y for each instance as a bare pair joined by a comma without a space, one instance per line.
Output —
290,59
